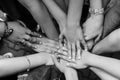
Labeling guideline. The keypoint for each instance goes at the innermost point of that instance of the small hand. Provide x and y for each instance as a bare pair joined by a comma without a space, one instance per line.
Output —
60,65
73,34
78,63
93,27
71,51
42,45
19,32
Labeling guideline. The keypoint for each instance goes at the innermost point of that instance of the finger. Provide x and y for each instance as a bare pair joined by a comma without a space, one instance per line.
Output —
62,52
65,58
89,36
78,50
64,48
64,43
69,50
98,37
22,24
26,43
38,28
51,43
61,36
55,61
34,40
34,34
8,55
73,55
26,37
90,44
61,39
73,65
84,44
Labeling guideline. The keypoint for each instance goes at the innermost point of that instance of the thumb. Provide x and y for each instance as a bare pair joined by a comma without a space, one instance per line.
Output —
61,36
98,37
55,60
72,65
89,37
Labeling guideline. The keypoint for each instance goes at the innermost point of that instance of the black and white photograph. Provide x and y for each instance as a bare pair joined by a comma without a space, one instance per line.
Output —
59,39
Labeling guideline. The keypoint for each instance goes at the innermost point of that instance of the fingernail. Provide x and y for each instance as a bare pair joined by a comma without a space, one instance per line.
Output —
69,57
67,64
79,57
86,38
40,36
86,49
40,43
73,59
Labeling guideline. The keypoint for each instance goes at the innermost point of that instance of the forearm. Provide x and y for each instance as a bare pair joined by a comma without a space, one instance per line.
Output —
74,12
71,74
54,9
96,4
102,74
109,65
61,4
21,63
41,16
109,44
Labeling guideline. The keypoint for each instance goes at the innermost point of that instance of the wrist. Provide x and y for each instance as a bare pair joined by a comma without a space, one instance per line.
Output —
73,24
67,71
86,57
71,74
48,60
97,16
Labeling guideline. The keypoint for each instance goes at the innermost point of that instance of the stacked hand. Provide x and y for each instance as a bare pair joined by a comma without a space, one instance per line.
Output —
73,34
20,32
93,27
78,63
41,44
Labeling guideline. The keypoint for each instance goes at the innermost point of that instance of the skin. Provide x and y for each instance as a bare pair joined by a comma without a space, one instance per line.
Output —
93,26
70,74
22,63
19,31
109,44
98,64
42,17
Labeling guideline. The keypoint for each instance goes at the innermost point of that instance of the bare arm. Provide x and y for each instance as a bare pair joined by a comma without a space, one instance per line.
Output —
102,74
42,17
74,12
109,65
96,4
57,13
71,74
13,65
109,44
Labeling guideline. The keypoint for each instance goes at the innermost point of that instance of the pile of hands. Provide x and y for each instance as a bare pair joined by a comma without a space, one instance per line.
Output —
74,41
63,57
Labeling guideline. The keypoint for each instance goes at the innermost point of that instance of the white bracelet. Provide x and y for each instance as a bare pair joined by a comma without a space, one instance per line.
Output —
28,69
96,11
